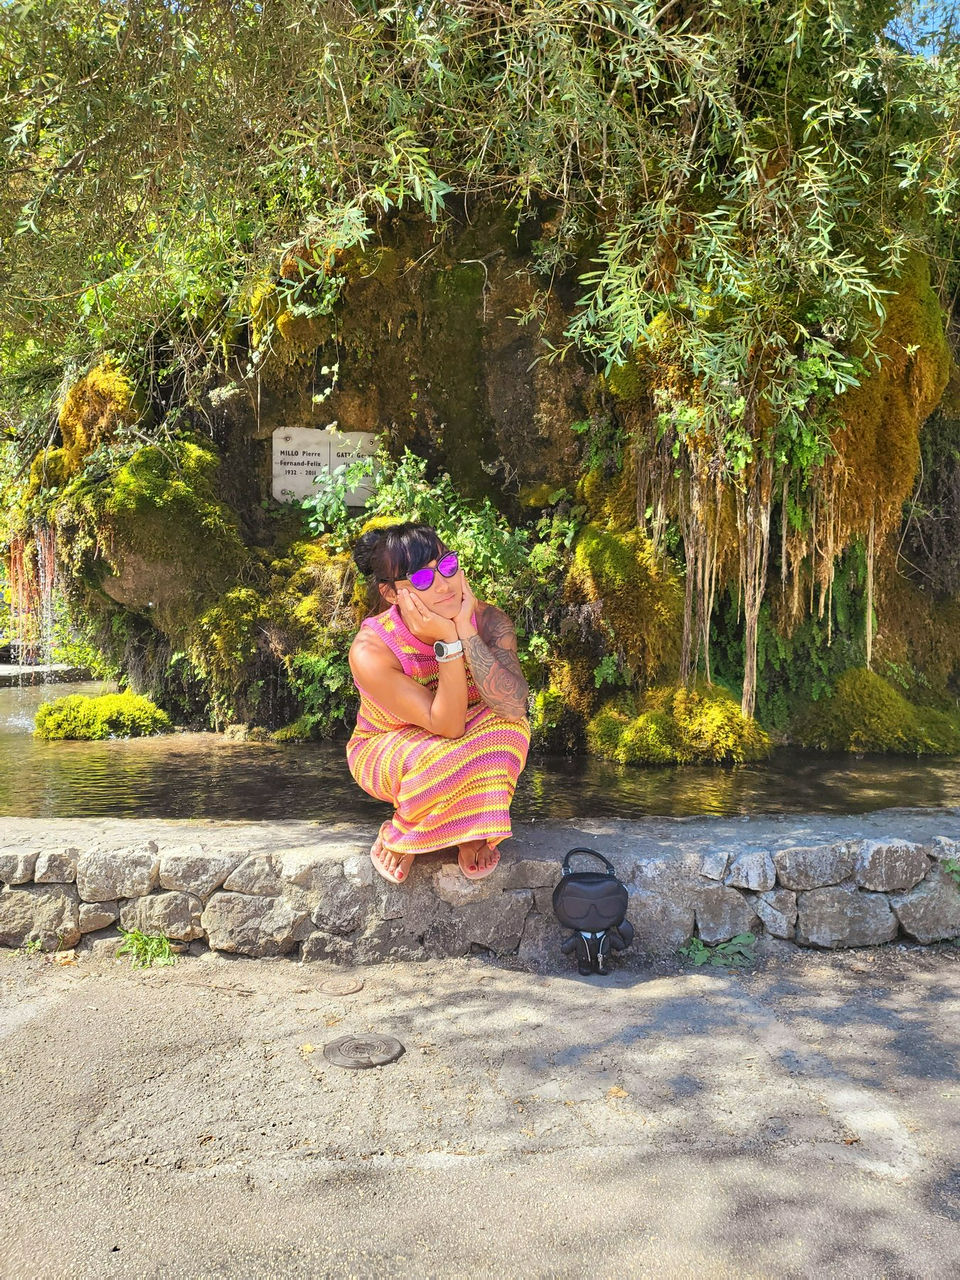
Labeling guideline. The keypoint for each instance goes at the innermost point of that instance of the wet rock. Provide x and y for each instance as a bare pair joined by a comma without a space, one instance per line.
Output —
168,913
722,913
256,875
843,916
194,870
17,865
47,912
253,925
752,869
107,874
815,866
56,866
714,863
931,911
661,923
778,911
98,915
889,865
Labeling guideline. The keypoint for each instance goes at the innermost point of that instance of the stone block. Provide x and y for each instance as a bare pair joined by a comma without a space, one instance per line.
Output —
358,870
661,922
98,915
257,875
714,863
541,939
941,848
104,875
56,866
451,886
778,911
251,924
931,911
528,873
48,912
844,916
307,868
495,923
169,913
17,865
815,866
722,913
752,869
890,865
194,870
341,907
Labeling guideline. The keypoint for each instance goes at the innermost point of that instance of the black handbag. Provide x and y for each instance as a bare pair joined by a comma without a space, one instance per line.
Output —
594,905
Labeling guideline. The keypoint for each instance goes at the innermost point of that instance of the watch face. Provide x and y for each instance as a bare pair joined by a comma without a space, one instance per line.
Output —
439,648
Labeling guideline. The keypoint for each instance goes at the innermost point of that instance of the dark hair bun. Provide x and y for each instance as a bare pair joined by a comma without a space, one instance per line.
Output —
365,550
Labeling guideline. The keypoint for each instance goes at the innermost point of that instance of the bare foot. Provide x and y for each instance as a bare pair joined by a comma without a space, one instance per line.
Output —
396,865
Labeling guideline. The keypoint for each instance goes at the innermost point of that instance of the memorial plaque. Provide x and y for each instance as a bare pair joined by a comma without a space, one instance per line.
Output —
300,453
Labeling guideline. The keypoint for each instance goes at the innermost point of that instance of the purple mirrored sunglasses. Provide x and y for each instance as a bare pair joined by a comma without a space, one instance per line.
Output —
447,566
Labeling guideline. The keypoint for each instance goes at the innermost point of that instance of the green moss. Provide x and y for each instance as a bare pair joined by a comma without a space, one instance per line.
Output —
640,599
625,381
153,535
675,725
112,715
866,713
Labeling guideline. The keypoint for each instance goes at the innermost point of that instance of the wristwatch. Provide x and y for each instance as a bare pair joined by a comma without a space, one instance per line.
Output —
447,650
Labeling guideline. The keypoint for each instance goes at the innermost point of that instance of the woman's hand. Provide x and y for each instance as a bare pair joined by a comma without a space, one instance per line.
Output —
421,621
464,619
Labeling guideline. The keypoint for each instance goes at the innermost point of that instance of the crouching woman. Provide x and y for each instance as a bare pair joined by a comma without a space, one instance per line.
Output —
442,732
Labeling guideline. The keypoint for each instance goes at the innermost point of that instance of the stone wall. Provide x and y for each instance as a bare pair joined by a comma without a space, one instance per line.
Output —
294,888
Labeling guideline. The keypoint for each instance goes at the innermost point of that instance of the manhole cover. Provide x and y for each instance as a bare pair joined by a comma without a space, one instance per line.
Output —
341,986
357,1052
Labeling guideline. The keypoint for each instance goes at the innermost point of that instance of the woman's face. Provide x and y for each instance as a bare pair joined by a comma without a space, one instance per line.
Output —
444,595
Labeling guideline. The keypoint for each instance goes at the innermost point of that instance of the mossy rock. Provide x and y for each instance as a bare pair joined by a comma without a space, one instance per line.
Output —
866,713
111,715
640,598
153,536
95,407
676,725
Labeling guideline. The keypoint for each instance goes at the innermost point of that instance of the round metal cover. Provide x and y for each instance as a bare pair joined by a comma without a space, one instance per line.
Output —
341,986
358,1052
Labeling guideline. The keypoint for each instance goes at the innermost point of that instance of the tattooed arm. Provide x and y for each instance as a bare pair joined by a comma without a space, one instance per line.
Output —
492,657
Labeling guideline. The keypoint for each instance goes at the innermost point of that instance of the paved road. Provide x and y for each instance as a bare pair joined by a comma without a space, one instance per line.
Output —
800,1119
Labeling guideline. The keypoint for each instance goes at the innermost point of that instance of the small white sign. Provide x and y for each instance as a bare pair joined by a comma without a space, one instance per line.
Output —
300,453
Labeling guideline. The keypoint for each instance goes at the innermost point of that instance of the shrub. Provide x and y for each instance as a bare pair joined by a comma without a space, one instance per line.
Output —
111,715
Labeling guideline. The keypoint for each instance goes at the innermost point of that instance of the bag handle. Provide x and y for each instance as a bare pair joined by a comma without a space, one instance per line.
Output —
593,854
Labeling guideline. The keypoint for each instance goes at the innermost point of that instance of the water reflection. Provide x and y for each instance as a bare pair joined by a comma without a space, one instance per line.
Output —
199,775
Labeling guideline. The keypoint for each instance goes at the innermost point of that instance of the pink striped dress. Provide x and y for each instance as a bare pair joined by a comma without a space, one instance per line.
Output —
445,791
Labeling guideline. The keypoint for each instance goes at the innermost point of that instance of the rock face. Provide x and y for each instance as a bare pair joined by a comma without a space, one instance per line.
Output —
931,911
888,865
844,917
813,866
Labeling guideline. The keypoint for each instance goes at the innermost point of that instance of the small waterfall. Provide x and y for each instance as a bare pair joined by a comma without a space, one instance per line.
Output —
32,583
